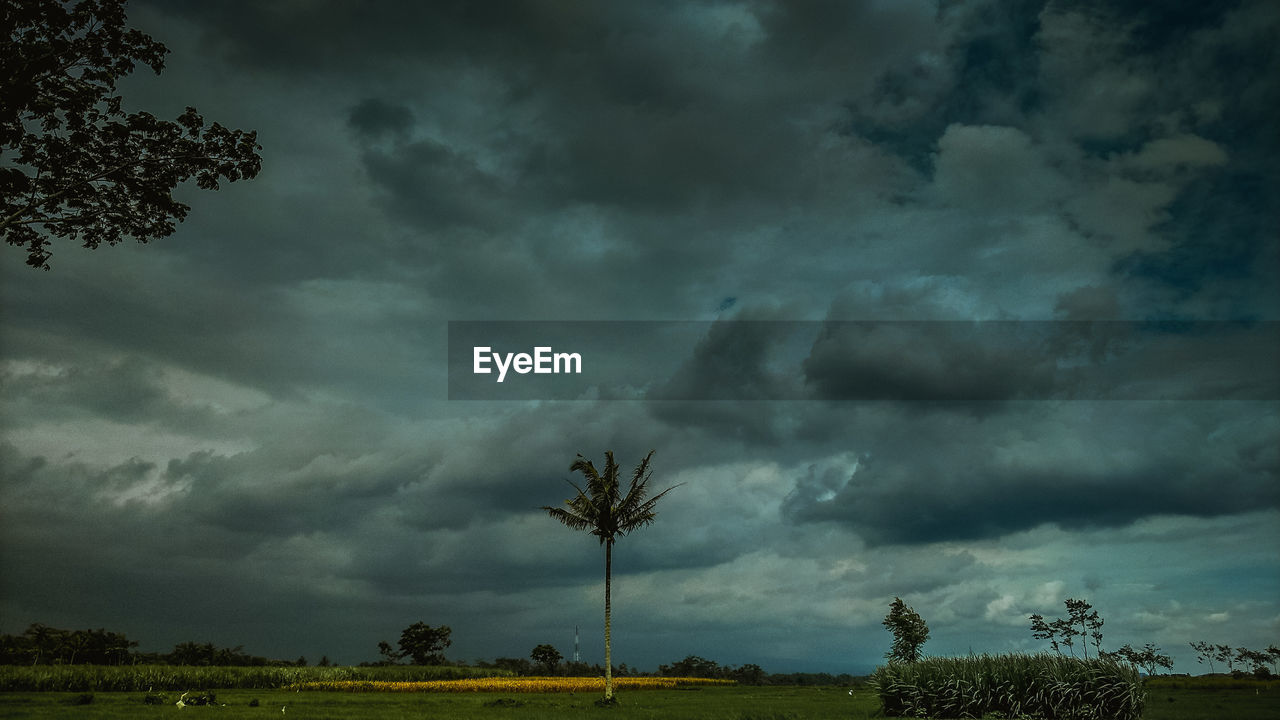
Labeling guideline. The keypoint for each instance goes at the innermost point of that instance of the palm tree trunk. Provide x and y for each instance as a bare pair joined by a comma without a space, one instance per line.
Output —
608,649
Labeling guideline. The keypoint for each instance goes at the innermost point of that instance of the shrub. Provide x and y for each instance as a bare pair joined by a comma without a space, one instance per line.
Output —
909,632
1037,686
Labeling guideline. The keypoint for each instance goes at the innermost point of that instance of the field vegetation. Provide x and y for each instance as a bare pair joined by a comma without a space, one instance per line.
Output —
690,703
1039,686
857,702
511,685
1212,683
128,678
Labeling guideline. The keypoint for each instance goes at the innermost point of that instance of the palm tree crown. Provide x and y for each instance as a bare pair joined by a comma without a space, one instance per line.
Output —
602,508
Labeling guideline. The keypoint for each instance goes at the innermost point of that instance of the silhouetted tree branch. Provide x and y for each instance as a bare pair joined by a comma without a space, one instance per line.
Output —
73,164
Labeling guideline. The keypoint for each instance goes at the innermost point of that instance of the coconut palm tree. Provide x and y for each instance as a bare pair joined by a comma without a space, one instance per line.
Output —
607,513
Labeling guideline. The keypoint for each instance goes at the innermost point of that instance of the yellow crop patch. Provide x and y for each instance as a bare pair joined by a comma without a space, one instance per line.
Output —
510,684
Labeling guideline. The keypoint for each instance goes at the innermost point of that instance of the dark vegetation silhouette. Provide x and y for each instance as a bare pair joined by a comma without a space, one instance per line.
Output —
1256,660
1148,658
909,632
1063,631
547,657
424,644
608,513
41,644
73,163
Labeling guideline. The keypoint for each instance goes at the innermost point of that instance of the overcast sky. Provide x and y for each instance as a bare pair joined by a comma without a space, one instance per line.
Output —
243,433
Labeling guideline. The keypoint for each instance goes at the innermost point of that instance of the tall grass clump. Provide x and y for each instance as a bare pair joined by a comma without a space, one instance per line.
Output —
133,678
1013,686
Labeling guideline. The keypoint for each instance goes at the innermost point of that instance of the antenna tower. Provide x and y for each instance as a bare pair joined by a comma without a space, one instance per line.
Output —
577,656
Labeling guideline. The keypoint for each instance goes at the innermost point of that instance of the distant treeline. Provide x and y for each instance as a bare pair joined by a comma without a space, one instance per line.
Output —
748,674
690,666
44,645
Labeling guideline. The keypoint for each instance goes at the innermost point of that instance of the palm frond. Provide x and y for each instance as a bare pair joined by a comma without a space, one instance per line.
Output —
580,505
608,487
642,514
585,467
642,472
580,499
571,520
639,483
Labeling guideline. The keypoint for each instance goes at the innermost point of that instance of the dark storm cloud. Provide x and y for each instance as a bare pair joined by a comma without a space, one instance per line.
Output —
640,159
122,390
160,574
435,186
816,36
666,126
1218,240
162,317
1167,25
983,75
374,118
669,115
658,108
619,51
1093,72
332,35
115,524
245,427
239,517
270,338
992,477
1214,235
926,572
989,362
941,362
735,360
235,494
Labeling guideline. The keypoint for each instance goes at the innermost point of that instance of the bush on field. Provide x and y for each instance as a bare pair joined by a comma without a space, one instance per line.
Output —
1036,686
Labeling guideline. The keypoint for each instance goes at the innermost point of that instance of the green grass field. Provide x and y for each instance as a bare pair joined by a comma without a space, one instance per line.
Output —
730,703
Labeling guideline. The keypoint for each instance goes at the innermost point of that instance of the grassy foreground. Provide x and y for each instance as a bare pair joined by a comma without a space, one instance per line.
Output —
709,703
727,703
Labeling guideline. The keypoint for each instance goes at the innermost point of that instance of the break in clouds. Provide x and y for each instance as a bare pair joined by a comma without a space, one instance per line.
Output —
243,434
